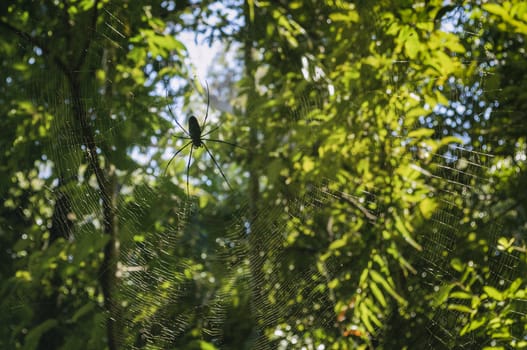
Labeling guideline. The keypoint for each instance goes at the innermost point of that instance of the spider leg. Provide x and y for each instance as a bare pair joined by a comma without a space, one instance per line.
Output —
174,156
225,142
188,167
175,119
208,103
217,166
211,131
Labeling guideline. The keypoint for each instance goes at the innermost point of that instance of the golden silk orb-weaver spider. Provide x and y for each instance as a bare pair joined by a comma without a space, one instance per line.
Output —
197,139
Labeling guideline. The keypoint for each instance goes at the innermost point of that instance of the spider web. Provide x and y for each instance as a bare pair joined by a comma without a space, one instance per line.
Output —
189,268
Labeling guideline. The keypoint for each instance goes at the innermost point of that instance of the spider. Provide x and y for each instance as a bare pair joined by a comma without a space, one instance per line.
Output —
197,137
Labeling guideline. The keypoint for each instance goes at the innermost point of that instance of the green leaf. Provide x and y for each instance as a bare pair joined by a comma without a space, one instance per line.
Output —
85,5
206,345
139,238
460,308
427,207
442,295
497,10
378,294
421,133
494,293
457,264
377,277
445,141
365,314
473,325
514,286
334,283
339,243
504,243
401,228
460,295
412,44
348,17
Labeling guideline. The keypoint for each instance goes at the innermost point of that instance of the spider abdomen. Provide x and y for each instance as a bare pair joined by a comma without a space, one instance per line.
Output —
195,131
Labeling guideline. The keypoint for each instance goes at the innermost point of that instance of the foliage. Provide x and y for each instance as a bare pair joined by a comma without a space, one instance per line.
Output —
351,116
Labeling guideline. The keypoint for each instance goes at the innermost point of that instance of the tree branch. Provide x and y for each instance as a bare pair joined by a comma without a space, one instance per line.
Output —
82,57
106,186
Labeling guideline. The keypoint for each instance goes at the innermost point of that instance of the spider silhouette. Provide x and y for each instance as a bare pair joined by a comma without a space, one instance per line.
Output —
197,137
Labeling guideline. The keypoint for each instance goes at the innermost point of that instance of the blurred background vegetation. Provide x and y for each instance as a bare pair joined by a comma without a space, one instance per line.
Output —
377,200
